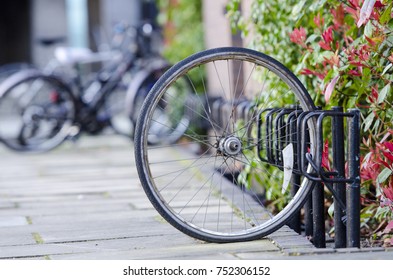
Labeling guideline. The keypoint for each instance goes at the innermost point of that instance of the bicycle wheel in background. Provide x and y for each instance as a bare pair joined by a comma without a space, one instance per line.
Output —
228,180
171,122
115,107
10,69
37,111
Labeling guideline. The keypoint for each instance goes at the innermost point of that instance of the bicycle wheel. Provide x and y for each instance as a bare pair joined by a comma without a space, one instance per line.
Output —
172,122
115,107
227,180
37,111
10,69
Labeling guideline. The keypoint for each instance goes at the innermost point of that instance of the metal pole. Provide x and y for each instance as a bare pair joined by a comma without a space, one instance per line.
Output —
308,206
318,200
353,191
295,222
319,238
340,235
308,225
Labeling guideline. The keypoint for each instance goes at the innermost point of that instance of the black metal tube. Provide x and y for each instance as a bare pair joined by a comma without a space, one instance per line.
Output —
308,224
353,191
308,206
295,222
340,235
318,199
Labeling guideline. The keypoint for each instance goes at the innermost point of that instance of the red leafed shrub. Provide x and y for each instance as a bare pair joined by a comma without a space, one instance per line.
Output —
353,68
342,51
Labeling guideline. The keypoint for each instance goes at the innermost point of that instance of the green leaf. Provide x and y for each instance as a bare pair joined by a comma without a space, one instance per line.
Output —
331,210
368,121
384,175
386,68
385,17
384,92
368,29
298,8
376,125
312,38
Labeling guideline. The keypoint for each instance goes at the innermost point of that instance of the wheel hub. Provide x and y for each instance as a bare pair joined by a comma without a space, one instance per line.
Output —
229,146
32,113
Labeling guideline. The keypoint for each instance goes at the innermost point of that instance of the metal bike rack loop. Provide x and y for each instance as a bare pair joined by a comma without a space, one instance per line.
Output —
344,185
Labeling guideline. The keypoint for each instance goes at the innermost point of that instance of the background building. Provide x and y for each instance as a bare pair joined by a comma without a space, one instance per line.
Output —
86,23
23,23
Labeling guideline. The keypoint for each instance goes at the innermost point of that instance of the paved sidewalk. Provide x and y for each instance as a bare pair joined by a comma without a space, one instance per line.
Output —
84,201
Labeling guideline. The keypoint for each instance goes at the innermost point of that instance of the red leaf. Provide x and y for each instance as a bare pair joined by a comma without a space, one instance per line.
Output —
330,88
389,156
388,192
307,71
324,45
298,36
365,12
388,228
325,156
355,63
354,73
371,41
327,35
338,16
389,146
319,21
354,3
374,92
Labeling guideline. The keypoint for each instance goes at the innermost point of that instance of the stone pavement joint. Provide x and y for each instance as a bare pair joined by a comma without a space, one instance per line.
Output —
84,201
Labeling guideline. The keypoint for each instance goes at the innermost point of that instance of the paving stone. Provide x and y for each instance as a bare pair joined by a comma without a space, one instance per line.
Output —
7,204
12,221
262,256
347,250
10,238
126,215
303,251
193,251
96,246
372,249
278,234
39,250
82,210
85,201
295,241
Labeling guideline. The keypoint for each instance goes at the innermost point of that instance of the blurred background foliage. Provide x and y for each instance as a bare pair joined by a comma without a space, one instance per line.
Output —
182,26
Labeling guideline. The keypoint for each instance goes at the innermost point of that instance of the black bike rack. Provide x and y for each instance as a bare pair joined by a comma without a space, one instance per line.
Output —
293,123
293,128
344,187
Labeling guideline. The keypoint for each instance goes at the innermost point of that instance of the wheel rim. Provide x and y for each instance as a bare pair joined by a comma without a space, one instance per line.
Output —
195,191
37,114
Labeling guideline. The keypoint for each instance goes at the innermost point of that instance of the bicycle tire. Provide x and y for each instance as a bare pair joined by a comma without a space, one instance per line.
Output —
211,194
142,83
7,70
37,111
115,107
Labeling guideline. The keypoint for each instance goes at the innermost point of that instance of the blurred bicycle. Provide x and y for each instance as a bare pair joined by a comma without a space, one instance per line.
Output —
39,109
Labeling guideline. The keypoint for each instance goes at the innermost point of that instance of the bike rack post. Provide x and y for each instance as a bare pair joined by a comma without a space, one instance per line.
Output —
279,126
318,197
308,206
339,187
353,190
335,178
308,219
295,222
